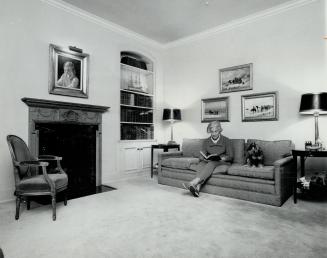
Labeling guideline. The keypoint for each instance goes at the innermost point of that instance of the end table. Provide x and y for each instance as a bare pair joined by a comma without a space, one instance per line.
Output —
303,154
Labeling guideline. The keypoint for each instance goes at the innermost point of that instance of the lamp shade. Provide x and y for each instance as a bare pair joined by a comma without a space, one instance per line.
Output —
314,103
171,114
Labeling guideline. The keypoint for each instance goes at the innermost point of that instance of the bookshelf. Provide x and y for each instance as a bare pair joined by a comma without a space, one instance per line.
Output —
136,97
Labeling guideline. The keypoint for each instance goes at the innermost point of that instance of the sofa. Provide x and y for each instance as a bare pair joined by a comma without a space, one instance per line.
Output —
270,184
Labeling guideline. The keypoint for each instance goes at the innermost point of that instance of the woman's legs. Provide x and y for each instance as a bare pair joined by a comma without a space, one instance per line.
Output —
202,176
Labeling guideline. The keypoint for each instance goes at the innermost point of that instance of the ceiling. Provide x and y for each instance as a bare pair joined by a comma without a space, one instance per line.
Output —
166,21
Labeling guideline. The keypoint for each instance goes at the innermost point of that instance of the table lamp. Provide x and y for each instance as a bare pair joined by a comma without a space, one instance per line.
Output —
314,104
171,115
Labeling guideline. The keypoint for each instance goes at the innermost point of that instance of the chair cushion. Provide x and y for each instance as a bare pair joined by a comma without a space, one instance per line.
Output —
181,163
265,172
238,149
38,183
273,150
192,147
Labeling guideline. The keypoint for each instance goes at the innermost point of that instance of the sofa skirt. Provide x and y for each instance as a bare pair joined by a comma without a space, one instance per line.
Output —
250,189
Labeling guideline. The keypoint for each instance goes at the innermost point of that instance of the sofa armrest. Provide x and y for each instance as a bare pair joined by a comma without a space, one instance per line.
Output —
165,155
283,161
284,176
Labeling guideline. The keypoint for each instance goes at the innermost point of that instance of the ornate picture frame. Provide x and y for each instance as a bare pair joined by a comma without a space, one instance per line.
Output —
236,78
68,72
260,107
215,109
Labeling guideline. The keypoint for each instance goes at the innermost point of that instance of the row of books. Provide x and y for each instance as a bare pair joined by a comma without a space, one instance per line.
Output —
136,132
136,115
127,98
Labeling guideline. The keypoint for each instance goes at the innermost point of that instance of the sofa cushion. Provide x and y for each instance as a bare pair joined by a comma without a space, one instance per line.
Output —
180,163
192,147
265,172
221,169
273,150
238,149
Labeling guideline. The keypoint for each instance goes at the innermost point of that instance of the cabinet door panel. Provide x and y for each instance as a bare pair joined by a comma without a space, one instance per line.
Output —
146,157
131,159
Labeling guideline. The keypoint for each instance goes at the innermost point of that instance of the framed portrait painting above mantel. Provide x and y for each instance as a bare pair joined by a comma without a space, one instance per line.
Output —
236,78
68,72
215,109
260,107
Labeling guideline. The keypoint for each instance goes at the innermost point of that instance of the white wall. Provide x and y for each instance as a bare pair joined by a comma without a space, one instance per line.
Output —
26,30
288,53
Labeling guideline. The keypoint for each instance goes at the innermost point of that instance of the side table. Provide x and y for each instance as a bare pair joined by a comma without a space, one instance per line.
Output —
304,154
165,148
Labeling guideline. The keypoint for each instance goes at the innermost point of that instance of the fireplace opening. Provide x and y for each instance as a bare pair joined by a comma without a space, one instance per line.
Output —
76,144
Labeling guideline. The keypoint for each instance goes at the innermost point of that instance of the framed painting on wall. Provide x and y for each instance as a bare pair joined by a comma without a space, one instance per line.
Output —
68,72
236,78
215,109
260,107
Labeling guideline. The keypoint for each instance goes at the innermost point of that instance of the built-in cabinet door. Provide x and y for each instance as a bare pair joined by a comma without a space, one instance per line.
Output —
135,157
130,159
146,157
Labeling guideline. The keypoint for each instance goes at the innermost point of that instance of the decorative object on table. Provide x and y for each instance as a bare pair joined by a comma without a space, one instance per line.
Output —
260,107
171,115
236,78
315,184
254,155
307,144
215,109
314,104
68,71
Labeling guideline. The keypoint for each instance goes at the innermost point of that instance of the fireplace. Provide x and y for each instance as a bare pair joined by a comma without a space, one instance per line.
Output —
72,131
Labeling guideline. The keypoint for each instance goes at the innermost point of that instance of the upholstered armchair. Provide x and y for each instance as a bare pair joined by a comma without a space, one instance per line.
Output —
28,181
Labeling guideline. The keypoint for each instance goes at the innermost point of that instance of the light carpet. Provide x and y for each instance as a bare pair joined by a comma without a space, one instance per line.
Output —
144,219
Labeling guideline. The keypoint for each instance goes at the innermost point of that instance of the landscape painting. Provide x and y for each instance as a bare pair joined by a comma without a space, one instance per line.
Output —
260,107
215,109
236,78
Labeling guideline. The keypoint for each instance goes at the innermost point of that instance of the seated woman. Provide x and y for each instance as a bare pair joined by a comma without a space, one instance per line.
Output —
220,152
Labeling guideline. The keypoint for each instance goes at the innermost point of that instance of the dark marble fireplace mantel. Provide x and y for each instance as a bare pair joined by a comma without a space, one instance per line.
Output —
43,111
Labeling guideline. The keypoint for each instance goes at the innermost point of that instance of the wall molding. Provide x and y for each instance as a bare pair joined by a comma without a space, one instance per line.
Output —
71,9
239,22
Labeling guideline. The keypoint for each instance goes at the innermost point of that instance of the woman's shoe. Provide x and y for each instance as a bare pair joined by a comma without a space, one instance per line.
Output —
194,190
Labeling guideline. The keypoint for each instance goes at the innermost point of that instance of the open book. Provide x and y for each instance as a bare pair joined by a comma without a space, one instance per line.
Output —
213,157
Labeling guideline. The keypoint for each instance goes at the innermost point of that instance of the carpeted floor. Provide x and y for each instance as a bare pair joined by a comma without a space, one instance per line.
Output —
144,219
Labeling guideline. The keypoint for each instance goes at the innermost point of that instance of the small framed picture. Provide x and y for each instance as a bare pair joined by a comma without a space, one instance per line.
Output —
260,107
236,78
68,72
215,109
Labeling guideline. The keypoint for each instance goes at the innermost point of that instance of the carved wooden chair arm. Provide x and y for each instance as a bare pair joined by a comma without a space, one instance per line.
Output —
32,163
53,158
48,180
49,157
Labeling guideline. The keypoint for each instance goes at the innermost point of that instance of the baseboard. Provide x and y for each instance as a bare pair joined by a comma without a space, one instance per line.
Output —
7,195
126,176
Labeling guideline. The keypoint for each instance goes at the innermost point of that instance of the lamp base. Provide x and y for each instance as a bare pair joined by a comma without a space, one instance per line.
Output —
171,143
